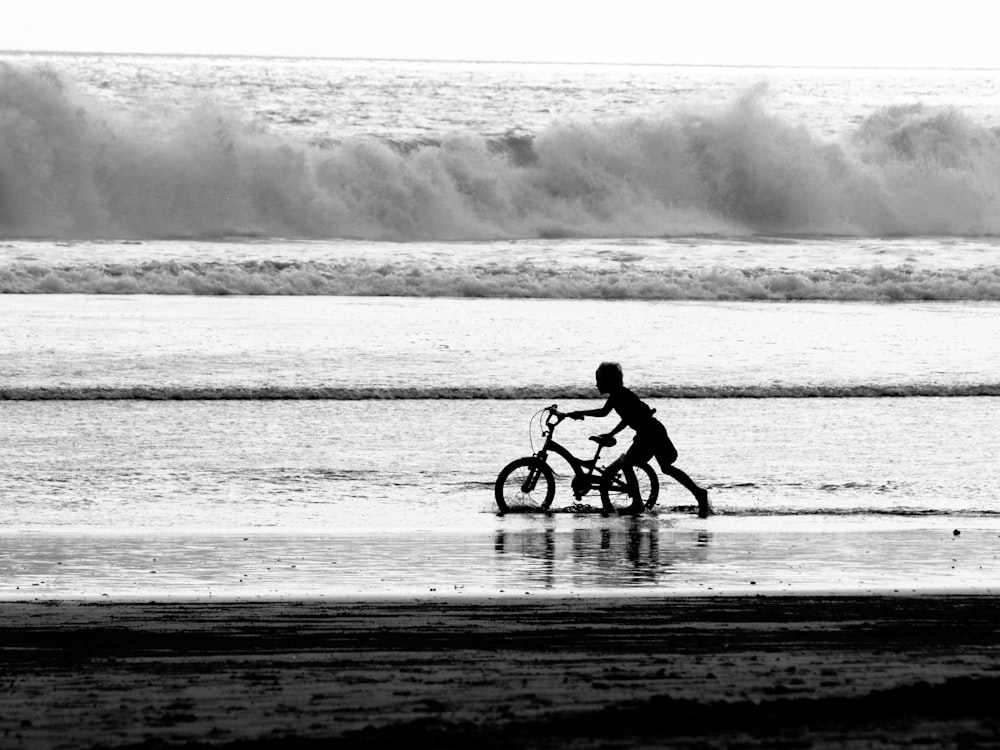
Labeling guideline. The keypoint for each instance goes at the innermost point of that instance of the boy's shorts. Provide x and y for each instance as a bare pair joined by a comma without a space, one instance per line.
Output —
651,442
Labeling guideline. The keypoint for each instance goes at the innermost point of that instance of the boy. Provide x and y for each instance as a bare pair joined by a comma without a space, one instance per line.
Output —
651,437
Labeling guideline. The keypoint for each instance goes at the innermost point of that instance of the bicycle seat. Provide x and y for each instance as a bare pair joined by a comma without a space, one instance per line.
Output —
605,441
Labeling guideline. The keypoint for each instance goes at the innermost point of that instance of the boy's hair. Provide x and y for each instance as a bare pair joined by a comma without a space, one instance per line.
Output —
611,372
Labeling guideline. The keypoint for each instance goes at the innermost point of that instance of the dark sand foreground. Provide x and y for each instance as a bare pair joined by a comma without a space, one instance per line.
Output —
790,672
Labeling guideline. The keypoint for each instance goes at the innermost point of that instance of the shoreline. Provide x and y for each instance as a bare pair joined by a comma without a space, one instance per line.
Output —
714,671
569,556
525,602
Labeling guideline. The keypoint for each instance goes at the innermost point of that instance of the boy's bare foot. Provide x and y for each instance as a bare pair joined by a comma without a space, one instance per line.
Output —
704,509
635,509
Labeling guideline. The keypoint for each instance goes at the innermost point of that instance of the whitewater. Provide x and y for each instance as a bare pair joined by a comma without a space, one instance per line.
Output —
513,181
78,166
293,316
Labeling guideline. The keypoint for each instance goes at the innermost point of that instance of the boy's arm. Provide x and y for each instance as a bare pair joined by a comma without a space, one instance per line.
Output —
602,412
621,426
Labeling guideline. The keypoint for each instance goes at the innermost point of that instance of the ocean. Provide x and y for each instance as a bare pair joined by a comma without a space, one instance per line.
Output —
271,327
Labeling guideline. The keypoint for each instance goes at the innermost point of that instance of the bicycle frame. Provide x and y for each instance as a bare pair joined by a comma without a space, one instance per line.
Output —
582,468
626,483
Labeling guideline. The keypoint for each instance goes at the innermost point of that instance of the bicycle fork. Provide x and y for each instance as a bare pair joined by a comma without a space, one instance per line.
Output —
528,485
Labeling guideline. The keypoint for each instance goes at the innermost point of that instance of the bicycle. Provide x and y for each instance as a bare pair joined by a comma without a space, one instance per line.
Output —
528,484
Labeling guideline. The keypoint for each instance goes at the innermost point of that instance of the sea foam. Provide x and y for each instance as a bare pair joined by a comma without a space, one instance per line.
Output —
461,393
503,280
74,167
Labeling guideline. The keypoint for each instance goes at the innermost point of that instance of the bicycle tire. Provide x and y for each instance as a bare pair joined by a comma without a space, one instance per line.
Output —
650,491
614,493
513,493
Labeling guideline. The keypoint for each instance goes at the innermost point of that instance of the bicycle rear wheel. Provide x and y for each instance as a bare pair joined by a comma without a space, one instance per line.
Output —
649,485
525,485
615,489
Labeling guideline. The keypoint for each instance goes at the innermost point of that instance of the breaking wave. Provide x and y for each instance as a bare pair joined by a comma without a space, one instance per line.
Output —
361,278
71,167
530,392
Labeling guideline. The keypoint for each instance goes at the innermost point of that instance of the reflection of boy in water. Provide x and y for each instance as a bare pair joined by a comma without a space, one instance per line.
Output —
651,437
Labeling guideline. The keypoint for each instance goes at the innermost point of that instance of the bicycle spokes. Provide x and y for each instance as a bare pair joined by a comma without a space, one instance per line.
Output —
528,485
524,485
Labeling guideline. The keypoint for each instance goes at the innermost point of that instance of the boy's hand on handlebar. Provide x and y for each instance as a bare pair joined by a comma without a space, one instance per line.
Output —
574,415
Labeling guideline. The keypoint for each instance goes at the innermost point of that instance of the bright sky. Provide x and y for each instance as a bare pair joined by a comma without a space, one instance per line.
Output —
896,33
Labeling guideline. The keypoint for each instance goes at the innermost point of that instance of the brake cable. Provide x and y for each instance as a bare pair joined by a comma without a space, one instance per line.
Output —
531,424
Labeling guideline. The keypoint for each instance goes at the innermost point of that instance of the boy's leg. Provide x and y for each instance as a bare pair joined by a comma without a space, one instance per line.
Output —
682,478
636,455
668,468
610,471
637,506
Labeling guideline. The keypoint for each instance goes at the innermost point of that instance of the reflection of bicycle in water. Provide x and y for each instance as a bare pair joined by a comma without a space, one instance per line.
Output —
528,484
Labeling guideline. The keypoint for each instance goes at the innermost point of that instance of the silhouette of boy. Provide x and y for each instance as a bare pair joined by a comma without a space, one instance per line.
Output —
650,440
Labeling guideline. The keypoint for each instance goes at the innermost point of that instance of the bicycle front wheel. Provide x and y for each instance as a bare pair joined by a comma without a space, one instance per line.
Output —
615,489
525,485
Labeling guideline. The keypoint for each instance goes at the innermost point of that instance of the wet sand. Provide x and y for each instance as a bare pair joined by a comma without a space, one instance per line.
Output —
806,671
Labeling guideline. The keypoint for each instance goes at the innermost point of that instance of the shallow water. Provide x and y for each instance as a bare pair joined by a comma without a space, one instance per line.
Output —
71,342
364,467
389,498
393,496
630,557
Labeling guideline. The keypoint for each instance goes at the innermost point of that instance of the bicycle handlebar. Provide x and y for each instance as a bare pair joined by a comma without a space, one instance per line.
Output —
555,416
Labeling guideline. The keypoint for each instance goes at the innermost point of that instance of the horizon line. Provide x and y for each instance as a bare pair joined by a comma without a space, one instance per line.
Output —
498,61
